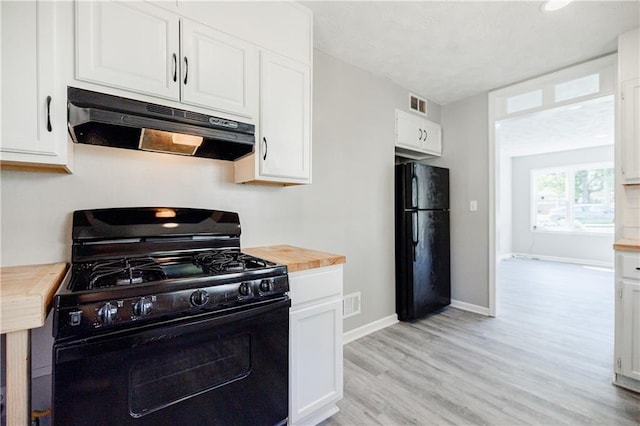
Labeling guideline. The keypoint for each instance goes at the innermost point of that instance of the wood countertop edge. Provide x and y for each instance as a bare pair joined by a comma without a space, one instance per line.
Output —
296,258
40,283
629,244
48,285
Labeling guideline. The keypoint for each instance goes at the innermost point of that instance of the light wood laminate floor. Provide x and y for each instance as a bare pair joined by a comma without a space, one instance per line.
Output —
546,359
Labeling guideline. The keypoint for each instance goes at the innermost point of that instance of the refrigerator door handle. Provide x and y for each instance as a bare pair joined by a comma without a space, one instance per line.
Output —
414,191
414,233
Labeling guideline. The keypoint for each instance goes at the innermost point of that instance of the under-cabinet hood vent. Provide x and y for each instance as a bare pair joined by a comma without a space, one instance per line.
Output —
100,119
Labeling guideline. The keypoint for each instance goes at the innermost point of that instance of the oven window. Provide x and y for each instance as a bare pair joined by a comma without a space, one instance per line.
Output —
178,374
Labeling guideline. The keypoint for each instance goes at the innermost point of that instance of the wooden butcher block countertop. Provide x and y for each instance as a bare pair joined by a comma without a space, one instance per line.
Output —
627,244
26,293
296,258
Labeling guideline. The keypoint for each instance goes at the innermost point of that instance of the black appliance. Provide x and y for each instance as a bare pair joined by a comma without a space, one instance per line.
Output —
423,271
100,119
163,320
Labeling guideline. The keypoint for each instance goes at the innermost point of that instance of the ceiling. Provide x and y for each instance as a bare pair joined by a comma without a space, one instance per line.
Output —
581,125
450,50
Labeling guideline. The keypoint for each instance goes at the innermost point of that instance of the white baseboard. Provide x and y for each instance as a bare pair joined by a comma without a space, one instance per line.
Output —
626,382
359,332
476,309
563,260
505,256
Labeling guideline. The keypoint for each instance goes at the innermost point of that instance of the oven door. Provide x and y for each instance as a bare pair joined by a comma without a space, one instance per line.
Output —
218,369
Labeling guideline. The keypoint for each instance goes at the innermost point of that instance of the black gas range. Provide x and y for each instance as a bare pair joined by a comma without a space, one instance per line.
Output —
162,316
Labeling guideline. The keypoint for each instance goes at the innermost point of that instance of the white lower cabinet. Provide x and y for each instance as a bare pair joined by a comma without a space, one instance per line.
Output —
627,329
315,342
630,350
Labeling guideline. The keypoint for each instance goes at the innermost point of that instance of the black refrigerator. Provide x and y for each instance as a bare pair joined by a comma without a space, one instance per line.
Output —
423,271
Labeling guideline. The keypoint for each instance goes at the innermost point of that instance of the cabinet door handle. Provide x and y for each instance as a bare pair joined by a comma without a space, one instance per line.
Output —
175,67
420,138
186,70
638,268
49,127
425,135
266,148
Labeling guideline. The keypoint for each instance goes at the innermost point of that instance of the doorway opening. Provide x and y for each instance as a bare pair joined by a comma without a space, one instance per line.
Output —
552,169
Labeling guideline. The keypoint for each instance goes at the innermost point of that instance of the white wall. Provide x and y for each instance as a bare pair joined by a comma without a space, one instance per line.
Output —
504,214
348,209
465,152
592,248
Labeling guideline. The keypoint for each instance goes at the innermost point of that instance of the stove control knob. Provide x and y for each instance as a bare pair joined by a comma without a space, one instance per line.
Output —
199,298
244,289
107,313
266,286
142,307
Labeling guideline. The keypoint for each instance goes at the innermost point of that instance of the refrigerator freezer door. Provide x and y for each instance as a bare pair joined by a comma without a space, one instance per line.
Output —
424,286
424,187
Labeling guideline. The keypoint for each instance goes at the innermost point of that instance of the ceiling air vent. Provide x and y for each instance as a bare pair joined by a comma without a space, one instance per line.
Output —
417,104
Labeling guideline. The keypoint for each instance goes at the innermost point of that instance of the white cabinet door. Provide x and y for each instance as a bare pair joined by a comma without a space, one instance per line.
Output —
408,131
33,127
218,70
285,118
432,137
630,342
417,137
315,358
128,45
630,113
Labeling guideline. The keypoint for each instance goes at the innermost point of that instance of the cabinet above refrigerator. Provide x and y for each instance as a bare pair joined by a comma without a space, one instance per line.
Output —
417,137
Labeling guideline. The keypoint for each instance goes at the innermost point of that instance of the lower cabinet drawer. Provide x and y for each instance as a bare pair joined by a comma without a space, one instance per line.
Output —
630,265
315,284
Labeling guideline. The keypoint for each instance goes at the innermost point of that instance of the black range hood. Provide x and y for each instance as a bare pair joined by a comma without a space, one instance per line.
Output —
99,119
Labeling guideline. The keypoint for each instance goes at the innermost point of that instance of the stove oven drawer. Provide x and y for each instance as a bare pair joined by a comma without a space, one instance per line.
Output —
221,369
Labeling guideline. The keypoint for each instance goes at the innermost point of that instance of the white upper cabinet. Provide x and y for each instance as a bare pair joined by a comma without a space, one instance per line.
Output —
128,45
629,96
218,70
417,137
250,61
285,117
283,154
283,27
139,47
33,120
630,120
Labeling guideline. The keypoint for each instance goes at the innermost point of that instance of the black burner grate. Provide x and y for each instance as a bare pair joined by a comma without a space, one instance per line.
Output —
217,262
127,271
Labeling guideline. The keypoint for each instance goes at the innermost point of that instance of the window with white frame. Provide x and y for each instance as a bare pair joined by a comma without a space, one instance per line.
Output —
575,84
577,198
